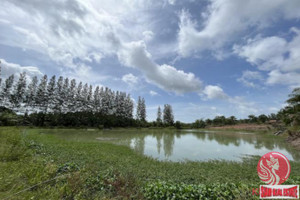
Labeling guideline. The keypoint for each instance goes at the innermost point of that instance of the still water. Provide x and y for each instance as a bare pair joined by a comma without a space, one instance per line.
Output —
191,145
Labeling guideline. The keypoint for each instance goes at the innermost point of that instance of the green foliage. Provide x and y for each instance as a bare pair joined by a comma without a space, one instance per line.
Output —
199,124
161,190
79,119
101,170
178,125
290,115
13,146
67,168
262,118
8,117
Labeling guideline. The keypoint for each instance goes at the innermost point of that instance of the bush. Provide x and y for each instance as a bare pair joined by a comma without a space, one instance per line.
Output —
178,124
165,190
12,146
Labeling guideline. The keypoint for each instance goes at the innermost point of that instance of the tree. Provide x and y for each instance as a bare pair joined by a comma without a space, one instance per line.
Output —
262,118
158,119
294,99
62,103
252,118
78,98
129,107
7,92
71,103
199,123
41,94
31,94
90,99
51,93
58,95
141,110
232,120
178,124
64,95
96,99
168,117
105,101
208,122
291,113
18,96
272,116
219,120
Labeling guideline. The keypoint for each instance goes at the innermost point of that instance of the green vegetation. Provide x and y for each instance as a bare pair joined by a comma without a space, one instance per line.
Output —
67,169
290,115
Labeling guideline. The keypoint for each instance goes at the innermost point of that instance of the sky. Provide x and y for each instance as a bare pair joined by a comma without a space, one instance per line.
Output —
204,57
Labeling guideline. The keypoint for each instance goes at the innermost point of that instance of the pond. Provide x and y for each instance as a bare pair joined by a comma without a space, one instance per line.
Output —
193,145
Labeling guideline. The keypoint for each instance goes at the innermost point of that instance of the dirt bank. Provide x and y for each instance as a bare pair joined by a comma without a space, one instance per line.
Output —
245,127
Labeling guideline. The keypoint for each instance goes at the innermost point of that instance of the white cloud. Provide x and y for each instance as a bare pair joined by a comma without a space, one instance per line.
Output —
243,106
227,19
267,53
167,77
240,105
249,77
275,55
172,2
153,93
8,69
214,92
148,35
277,77
75,32
130,79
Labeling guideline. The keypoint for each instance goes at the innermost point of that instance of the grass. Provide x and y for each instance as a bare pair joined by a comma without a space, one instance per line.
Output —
101,170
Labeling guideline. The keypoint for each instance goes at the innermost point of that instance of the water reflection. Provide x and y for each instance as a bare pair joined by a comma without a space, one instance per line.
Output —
180,146
189,144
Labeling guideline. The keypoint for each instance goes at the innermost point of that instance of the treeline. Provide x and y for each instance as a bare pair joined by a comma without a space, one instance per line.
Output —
64,102
232,120
288,116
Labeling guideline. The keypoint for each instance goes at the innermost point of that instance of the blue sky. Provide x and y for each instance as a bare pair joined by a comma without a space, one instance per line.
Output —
205,58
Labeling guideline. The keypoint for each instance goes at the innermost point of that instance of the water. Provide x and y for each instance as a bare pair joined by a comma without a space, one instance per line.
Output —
173,145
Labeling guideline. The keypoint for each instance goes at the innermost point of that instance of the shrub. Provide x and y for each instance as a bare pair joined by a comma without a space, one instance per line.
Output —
12,146
165,190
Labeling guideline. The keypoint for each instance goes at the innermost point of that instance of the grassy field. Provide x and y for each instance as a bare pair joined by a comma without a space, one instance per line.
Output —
43,166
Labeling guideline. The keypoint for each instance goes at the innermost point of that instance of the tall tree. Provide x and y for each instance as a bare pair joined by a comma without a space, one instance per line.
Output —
168,116
59,95
158,119
105,104
129,107
51,94
6,92
78,97
31,94
18,96
138,109
96,99
72,96
41,94
84,97
65,95
141,109
90,99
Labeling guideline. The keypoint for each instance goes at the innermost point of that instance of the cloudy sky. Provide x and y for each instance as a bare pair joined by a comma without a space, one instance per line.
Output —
204,57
